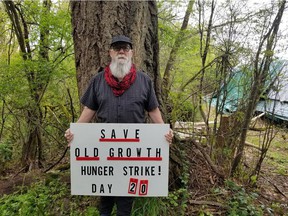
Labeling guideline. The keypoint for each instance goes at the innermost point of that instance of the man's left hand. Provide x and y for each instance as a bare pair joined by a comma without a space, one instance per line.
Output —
169,136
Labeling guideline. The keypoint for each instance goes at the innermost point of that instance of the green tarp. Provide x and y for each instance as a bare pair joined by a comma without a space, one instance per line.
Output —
274,101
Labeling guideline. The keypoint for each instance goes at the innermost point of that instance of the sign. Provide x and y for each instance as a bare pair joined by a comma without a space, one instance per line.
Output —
119,159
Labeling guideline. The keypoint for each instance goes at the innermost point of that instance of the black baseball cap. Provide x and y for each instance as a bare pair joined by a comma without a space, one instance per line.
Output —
121,39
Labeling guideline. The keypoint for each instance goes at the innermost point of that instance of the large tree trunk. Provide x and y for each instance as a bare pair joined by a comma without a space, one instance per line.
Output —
96,22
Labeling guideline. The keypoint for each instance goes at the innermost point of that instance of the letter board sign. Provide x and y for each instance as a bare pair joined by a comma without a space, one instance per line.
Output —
119,159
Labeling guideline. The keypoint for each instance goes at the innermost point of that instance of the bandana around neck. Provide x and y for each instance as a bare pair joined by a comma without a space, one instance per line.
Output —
119,88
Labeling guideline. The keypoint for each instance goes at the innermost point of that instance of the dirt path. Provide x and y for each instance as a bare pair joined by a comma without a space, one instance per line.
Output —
11,184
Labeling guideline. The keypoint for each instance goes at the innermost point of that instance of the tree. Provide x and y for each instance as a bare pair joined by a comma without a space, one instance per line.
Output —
261,67
166,85
41,52
94,24
32,149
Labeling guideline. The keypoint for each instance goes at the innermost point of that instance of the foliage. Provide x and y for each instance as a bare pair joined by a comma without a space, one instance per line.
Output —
54,87
5,155
176,201
50,197
240,202
35,201
148,206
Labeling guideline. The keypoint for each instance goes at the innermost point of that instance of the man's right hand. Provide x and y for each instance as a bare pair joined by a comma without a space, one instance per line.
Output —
69,136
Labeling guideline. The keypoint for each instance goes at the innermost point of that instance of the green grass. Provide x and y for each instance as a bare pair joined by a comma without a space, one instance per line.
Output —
277,154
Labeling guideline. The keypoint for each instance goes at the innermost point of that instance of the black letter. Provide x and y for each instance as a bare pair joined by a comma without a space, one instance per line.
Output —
120,152
138,152
109,187
125,133
148,149
77,152
125,170
95,152
94,188
113,135
128,152
103,133
83,170
111,152
137,133
158,152
101,188
86,155
111,169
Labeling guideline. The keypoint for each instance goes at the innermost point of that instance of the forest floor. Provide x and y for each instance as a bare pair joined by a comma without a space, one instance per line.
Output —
207,194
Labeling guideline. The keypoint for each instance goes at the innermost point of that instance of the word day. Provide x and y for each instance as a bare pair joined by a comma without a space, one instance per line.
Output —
102,188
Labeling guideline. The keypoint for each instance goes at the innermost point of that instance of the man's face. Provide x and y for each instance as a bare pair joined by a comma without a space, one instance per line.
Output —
121,52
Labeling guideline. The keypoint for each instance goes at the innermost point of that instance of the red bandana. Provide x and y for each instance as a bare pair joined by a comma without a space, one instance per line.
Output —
119,88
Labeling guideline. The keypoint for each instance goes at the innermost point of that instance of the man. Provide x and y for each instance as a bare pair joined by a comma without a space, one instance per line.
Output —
119,94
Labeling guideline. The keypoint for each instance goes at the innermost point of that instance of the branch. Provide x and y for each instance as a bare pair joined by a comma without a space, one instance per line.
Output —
26,34
49,168
208,159
275,186
3,119
71,104
200,71
204,202
12,13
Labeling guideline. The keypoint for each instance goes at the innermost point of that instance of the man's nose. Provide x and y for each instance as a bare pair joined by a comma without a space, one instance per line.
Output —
122,50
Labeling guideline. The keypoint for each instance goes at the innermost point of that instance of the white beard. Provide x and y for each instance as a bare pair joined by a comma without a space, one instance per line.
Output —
119,69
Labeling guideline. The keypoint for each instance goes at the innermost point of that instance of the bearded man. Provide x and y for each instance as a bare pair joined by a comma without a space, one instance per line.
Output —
119,94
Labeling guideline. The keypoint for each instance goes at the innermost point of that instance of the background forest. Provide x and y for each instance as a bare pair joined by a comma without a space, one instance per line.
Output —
227,158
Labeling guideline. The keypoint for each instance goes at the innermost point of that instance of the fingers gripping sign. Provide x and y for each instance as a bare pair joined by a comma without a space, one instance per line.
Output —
69,136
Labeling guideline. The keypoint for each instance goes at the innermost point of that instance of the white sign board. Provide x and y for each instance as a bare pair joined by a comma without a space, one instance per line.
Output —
119,159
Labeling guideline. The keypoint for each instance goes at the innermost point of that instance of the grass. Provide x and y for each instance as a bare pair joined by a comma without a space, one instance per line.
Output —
278,151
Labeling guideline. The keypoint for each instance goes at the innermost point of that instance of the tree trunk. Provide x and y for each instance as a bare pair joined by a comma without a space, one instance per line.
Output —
96,22
32,149
166,85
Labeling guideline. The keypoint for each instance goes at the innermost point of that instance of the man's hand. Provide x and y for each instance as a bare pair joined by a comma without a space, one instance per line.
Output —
169,136
69,136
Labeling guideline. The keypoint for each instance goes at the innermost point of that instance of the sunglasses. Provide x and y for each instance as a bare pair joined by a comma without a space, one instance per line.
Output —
124,47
